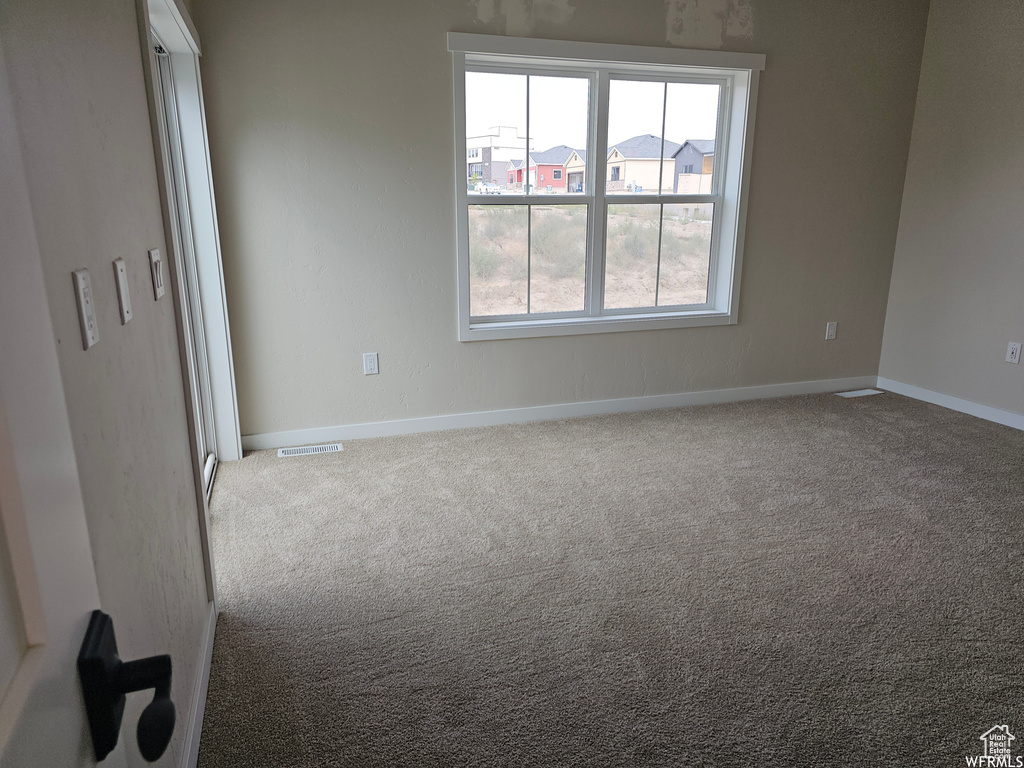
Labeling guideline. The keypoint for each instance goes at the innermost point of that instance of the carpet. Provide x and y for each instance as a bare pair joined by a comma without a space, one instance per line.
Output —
802,581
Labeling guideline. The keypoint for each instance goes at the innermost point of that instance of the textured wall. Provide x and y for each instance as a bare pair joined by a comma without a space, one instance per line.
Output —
80,105
956,284
331,137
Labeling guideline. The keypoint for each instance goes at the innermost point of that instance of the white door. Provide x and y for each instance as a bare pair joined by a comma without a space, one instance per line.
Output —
47,582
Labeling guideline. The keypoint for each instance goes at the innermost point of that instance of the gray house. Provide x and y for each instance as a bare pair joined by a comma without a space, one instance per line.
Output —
695,162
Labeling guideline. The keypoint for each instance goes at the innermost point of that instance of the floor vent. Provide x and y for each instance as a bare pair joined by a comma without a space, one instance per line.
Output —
310,450
860,393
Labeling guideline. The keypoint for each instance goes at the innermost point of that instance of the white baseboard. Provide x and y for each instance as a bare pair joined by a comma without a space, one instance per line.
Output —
1009,418
543,412
194,729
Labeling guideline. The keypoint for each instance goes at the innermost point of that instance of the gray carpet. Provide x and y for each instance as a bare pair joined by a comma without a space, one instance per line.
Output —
806,581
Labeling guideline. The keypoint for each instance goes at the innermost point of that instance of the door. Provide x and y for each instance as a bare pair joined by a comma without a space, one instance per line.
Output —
197,358
47,581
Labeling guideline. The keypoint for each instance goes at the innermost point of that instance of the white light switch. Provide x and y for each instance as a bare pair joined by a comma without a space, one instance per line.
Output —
86,308
156,268
123,299
1013,352
830,330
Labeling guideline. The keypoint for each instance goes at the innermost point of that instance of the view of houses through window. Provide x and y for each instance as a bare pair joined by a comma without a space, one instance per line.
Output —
527,135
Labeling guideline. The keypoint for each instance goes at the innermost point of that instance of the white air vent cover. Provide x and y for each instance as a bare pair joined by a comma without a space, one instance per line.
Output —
860,393
309,450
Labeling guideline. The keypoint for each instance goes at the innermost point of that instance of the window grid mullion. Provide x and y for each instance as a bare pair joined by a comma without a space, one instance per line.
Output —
529,244
666,199
598,165
661,157
657,272
524,200
526,163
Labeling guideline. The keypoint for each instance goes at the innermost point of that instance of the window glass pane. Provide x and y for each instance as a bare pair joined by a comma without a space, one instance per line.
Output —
685,254
559,114
497,259
558,258
495,133
691,118
631,267
636,156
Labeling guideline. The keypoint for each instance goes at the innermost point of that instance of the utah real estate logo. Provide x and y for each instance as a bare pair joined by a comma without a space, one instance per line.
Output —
997,741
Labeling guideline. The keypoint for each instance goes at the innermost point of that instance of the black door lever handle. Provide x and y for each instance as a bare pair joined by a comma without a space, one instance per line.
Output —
105,681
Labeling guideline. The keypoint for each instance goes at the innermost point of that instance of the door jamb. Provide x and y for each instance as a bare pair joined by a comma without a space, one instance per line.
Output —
180,31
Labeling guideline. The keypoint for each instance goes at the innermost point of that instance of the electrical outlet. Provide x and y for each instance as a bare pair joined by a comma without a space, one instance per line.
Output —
830,330
370,363
1013,352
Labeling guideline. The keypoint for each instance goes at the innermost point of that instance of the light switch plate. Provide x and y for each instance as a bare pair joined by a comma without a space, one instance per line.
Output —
156,268
123,299
86,308
1013,352
830,330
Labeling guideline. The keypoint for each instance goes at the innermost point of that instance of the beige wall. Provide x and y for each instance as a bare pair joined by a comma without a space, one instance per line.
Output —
332,144
694,183
642,172
80,106
958,274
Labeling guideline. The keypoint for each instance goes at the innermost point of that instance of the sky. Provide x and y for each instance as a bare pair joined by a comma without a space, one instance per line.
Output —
558,108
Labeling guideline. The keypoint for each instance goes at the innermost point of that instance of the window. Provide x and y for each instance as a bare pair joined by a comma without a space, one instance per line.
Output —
625,245
556,174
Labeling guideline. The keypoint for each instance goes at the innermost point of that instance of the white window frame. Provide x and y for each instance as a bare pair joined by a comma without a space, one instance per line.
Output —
736,72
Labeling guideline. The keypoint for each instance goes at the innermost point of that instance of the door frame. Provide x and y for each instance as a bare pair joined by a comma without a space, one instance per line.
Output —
171,22
186,261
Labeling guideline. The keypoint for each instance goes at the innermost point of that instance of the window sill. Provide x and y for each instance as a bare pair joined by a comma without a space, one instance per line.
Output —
571,326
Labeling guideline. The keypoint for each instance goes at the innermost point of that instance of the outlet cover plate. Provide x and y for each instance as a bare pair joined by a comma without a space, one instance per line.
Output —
1013,352
370,363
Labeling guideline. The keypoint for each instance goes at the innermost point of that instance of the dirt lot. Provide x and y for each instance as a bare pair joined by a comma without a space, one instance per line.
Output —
556,273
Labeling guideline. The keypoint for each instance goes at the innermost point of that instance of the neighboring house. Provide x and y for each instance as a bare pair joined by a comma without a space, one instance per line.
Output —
576,170
474,163
487,154
639,162
547,171
547,168
695,164
514,170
